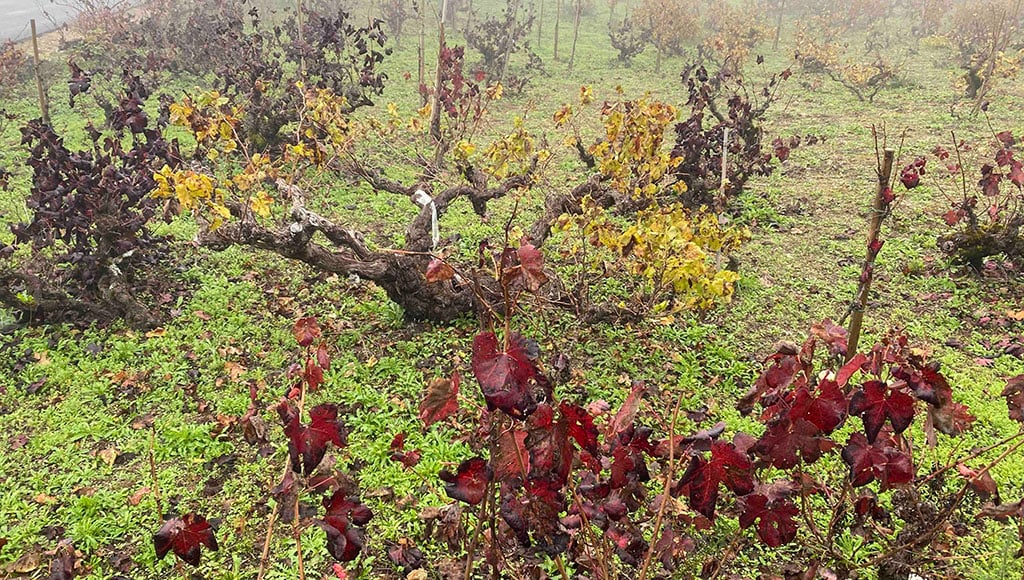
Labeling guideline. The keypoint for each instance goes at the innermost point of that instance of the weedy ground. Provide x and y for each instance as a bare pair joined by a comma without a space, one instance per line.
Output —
82,411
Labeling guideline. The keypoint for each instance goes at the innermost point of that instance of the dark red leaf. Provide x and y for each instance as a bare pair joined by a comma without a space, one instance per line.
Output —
880,461
911,174
1016,173
512,458
344,515
508,377
469,483
776,378
306,330
774,517
630,546
441,400
323,358
1003,511
672,547
982,483
832,334
786,441
627,412
398,442
406,555
62,567
1014,393
285,494
875,402
551,450
438,271
727,467
310,442
826,410
531,264
184,536
399,454
314,374
532,509
581,426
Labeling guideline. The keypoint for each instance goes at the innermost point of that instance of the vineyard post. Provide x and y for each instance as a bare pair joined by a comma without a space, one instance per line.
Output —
725,175
435,104
778,25
540,23
878,210
44,106
510,21
421,72
558,15
575,34
302,42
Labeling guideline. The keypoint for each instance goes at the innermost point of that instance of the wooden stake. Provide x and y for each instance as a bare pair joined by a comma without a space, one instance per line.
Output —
879,209
778,25
540,24
510,22
44,105
558,15
575,34
725,170
421,72
435,105
302,41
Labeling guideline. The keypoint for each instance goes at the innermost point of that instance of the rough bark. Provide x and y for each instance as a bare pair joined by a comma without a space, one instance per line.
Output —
34,300
341,250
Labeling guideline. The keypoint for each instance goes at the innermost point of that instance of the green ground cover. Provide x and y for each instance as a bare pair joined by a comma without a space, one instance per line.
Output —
82,410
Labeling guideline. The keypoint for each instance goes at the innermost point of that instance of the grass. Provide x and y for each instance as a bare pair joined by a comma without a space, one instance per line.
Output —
77,462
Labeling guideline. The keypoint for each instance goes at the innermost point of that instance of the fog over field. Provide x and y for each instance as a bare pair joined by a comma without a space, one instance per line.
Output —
16,15
512,289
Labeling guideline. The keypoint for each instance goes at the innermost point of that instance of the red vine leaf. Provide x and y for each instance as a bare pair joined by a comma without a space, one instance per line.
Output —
344,539
981,483
784,440
627,412
323,358
469,483
438,270
1014,394
880,461
314,374
832,334
399,454
507,377
773,514
581,426
826,411
875,402
727,466
513,458
184,536
310,442
851,367
441,400
531,265
306,330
